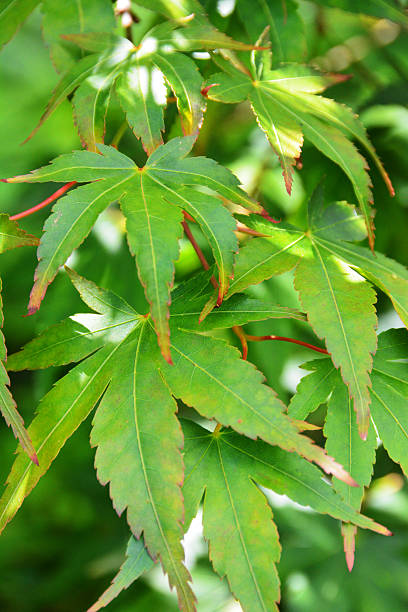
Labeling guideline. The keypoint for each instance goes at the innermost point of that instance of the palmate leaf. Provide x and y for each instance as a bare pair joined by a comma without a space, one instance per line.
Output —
347,322
11,236
142,461
12,14
245,547
141,76
287,110
81,16
152,199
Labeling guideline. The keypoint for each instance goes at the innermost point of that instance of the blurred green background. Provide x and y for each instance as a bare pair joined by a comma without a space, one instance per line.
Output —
66,543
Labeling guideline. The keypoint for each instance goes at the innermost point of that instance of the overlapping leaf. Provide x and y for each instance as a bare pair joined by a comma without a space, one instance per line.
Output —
142,460
152,199
347,320
141,75
287,110
245,547
389,394
11,236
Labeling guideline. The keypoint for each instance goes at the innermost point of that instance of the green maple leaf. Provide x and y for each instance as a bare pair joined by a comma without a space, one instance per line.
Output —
106,343
11,236
135,430
244,547
288,110
152,199
141,75
324,257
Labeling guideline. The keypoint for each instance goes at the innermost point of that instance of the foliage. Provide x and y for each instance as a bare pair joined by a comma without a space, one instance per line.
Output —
181,419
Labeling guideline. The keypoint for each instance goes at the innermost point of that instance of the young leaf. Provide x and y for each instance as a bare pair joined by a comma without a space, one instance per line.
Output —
152,202
284,104
137,562
139,73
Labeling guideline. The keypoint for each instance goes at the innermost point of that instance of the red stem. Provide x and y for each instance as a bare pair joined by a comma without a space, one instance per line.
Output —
285,339
238,331
199,252
45,202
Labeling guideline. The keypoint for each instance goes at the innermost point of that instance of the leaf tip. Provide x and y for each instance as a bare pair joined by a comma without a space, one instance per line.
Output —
264,213
348,532
205,90
34,459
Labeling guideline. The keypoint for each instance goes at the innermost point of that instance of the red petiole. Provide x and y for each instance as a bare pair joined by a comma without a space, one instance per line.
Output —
44,203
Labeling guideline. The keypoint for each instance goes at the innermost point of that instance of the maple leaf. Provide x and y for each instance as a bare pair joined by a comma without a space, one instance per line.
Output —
287,109
141,75
228,469
99,340
152,199
324,261
141,461
11,236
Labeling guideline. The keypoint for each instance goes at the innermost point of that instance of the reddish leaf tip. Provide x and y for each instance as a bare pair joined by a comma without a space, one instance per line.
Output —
264,213
350,559
4,180
31,310
205,90
34,459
